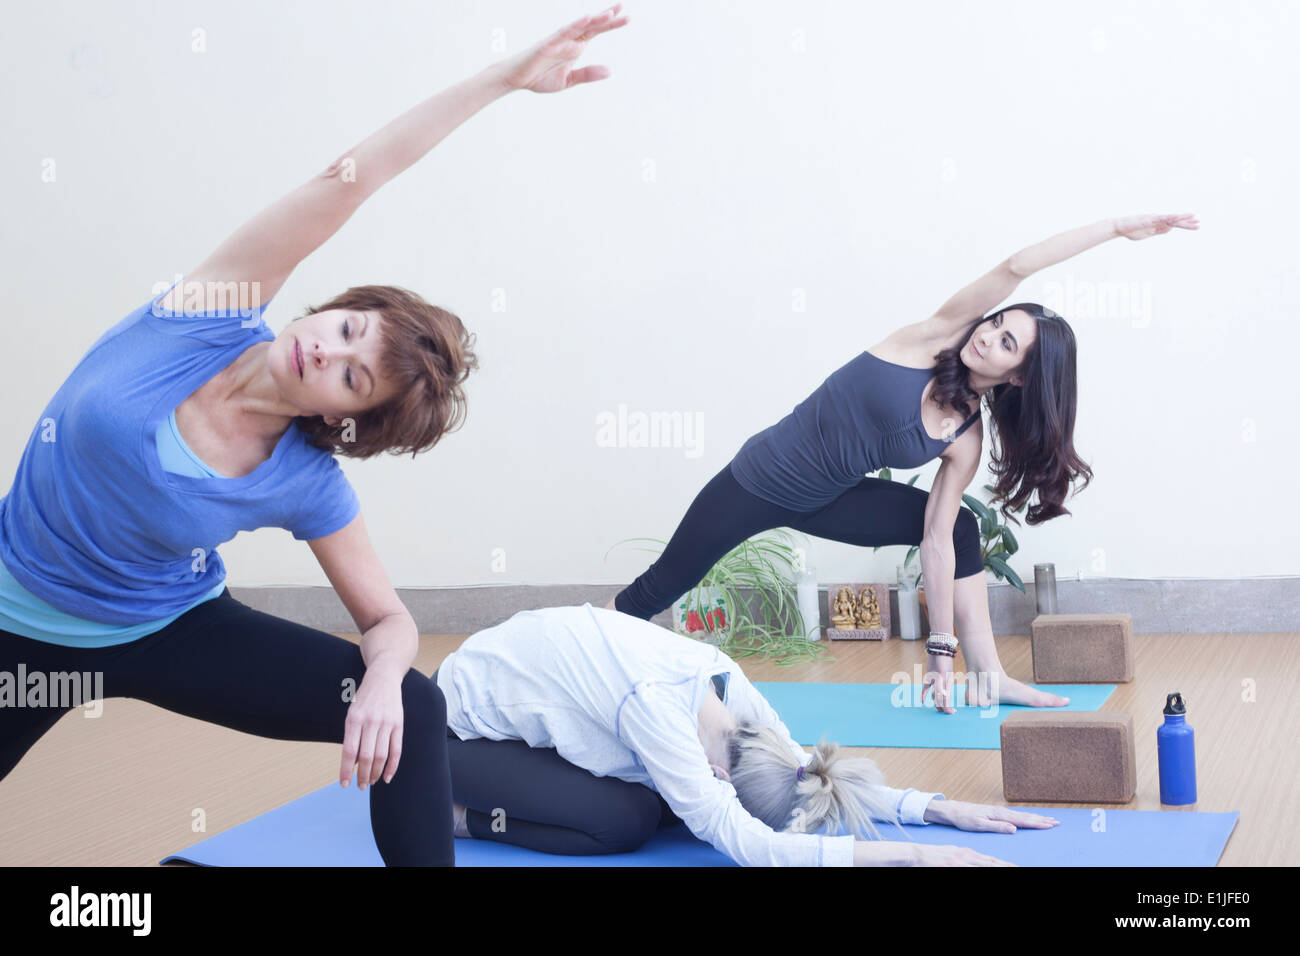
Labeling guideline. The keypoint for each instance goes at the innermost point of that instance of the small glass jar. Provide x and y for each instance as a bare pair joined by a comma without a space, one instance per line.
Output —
1045,588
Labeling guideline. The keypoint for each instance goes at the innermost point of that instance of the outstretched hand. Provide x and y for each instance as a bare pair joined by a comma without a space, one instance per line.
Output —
981,817
1143,227
548,66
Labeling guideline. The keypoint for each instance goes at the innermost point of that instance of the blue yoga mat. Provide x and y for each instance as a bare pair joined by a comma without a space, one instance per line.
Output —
869,715
331,827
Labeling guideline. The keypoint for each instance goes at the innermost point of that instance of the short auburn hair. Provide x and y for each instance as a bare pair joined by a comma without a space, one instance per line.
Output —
428,354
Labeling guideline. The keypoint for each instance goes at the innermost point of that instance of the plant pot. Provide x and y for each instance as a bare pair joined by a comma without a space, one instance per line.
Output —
703,614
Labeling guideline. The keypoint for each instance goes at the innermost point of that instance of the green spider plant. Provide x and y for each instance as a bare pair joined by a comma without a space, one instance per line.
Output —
765,565
997,543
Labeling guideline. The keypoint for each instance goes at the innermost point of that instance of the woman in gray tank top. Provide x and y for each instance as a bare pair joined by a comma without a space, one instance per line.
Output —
912,398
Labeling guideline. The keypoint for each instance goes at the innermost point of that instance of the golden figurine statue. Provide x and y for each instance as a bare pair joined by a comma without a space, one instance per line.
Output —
842,615
868,610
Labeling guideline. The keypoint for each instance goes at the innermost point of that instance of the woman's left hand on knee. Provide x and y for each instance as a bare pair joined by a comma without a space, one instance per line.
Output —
372,735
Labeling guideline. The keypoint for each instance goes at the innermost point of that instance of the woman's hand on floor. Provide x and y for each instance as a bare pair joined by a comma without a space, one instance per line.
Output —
906,853
372,732
939,679
548,66
927,855
982,817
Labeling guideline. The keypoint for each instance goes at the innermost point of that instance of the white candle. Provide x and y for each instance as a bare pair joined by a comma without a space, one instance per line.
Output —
909,614
809,604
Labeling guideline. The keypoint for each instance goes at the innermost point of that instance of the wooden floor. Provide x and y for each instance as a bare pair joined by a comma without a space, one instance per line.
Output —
124,789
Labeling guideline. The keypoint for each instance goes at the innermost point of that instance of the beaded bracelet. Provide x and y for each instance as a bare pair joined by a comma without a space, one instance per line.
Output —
941,644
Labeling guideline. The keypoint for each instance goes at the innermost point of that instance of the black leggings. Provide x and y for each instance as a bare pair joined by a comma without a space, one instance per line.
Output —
227,664
532,797
873,512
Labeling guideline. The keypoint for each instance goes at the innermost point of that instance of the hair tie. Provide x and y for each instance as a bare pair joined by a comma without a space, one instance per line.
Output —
799,774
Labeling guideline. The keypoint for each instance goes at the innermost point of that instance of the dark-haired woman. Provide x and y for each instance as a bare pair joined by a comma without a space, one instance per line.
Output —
189,421
914,396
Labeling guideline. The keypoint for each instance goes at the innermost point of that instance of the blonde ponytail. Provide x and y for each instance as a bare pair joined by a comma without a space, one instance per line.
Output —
841,793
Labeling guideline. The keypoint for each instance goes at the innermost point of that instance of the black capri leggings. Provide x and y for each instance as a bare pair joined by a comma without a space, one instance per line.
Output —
228,664
873,512
534,798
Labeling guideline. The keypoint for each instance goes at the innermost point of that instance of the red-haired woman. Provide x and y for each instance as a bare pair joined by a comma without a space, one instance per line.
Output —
913,397
189,421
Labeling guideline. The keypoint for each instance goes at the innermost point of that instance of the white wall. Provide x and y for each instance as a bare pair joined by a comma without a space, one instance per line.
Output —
877,156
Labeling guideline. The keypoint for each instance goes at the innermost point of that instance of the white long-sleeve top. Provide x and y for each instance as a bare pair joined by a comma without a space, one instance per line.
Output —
620,697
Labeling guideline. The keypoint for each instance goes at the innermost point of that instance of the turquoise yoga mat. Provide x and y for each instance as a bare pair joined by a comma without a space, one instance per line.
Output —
891,715
331,827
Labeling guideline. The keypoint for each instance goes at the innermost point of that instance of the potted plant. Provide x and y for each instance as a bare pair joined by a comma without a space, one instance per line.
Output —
716,611
997,543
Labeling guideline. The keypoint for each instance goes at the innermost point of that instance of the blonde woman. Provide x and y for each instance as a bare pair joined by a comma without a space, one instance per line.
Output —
579,730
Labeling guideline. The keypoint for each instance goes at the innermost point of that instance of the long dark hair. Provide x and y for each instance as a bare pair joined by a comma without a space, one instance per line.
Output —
1034,421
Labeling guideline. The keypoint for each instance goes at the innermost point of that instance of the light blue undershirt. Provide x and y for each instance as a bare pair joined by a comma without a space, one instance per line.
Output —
22,612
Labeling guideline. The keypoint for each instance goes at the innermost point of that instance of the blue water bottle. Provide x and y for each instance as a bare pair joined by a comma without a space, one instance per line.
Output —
1176,752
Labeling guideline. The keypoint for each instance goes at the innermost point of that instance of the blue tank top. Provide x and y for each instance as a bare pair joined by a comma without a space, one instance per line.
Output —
864,417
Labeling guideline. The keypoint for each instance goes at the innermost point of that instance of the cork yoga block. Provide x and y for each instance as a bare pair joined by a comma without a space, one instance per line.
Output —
1085,756
1082,648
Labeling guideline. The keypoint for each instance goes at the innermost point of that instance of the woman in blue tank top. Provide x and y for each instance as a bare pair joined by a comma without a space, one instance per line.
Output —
911,398
189,421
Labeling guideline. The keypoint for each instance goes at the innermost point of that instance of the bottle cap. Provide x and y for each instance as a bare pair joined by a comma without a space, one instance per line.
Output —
1174,705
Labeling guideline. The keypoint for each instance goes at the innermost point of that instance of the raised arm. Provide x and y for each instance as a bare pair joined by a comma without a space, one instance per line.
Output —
993,288
262,252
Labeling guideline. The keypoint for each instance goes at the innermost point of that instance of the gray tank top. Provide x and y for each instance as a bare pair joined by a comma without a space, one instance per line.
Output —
865,416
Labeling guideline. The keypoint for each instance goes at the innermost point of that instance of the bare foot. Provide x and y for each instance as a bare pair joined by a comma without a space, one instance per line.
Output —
459,813
1008,690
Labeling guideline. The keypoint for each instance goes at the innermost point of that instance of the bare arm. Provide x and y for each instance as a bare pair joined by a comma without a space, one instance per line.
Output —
268,247
994,287
372,735
262,253
388,633
938,559
1062,246
976,299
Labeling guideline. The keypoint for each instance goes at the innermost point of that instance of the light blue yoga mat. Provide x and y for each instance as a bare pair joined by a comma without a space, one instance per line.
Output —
870,715
331,827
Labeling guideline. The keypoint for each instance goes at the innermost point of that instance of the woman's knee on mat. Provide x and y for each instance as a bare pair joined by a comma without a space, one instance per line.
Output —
631,820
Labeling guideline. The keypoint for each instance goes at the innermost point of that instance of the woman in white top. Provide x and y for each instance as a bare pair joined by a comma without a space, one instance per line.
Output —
579,730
